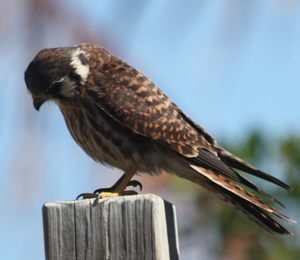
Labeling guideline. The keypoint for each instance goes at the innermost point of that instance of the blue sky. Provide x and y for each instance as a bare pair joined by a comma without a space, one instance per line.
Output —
231,66
236,63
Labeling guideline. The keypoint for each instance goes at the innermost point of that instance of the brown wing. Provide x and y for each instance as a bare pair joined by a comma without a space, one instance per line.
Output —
132,99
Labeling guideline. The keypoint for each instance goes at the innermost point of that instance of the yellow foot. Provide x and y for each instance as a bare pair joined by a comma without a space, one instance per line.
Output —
111,192
106,194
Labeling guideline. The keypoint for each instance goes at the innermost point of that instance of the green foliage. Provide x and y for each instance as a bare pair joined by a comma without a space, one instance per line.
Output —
290,151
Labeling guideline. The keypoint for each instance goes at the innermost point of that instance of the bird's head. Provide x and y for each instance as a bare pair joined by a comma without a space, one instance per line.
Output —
56,74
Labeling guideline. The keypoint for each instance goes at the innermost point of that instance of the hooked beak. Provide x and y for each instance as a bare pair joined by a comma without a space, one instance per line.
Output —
38,104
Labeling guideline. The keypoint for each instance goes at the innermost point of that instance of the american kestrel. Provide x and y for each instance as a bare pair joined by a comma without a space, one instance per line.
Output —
122,119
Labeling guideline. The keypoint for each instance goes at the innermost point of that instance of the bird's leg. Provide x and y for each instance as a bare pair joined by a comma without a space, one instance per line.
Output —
118,189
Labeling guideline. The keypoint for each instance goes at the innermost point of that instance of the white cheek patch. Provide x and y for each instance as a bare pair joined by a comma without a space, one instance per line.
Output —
81,69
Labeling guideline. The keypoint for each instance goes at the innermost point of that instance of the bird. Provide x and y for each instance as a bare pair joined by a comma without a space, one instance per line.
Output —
121,119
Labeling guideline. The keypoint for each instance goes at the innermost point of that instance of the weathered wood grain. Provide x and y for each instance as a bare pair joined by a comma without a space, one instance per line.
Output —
129,227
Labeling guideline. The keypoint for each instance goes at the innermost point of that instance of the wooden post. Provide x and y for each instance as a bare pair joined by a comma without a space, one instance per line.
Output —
130,227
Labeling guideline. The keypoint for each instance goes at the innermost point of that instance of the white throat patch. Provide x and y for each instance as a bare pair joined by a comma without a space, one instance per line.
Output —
82,70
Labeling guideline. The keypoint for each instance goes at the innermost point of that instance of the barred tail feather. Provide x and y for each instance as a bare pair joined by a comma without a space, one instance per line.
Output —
251,212
243,201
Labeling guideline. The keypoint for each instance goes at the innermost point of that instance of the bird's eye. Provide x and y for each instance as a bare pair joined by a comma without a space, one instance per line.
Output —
38,99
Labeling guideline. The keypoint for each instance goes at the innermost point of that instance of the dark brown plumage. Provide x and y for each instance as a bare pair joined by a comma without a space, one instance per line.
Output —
120,118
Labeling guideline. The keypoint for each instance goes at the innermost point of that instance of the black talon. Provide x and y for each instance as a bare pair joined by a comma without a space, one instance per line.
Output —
135,183
86,196
82,194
